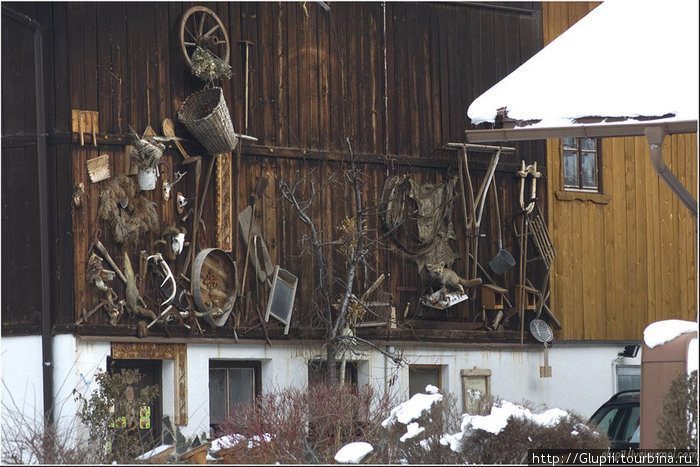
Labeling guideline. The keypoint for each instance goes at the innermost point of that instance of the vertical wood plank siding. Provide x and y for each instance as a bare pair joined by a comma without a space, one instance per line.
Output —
631,260
316,78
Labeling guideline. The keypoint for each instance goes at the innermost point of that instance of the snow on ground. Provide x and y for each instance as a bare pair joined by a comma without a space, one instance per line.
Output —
353,453
664,331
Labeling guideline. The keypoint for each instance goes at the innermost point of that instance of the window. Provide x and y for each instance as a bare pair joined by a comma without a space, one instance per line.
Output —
231,383
628,377
474,380
419,376
581,164
318,371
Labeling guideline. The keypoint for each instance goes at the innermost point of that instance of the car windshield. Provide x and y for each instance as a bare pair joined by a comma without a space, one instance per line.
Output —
618,422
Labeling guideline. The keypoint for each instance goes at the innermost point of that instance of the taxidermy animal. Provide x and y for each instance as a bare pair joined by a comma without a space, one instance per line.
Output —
132,293
446,277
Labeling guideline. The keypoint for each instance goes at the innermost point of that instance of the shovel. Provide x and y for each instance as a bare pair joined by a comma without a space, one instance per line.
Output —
503,259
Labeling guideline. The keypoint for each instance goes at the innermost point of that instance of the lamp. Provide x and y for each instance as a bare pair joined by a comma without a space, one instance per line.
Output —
630,351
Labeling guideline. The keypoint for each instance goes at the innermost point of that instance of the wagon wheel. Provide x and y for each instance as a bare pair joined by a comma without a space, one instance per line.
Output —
201,27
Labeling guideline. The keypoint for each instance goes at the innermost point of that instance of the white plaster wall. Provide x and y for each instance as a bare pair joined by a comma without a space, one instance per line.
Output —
74,367
583,374
21,378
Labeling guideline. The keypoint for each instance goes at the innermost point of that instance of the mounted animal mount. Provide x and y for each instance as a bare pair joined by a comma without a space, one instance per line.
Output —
173,238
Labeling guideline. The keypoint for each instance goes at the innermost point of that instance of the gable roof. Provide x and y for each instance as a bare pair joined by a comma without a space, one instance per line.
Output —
625,64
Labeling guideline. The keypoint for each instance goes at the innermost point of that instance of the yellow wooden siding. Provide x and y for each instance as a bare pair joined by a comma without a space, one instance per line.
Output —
627,258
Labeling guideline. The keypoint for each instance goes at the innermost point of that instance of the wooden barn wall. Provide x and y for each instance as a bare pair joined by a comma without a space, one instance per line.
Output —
316,79
627,258
21,277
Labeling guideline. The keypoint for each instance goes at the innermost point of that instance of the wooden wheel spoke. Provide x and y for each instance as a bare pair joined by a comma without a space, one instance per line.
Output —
201,24
187,30
209,32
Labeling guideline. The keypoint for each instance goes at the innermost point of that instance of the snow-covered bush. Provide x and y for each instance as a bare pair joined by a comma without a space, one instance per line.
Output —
509,431
421,430
415,427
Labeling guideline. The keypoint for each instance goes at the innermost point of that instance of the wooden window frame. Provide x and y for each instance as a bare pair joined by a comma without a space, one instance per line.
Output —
216,364
579,151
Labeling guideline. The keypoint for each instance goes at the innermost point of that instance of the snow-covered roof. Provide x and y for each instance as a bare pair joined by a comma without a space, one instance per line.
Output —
626,58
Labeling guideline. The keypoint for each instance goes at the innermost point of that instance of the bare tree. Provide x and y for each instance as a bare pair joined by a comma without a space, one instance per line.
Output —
339,316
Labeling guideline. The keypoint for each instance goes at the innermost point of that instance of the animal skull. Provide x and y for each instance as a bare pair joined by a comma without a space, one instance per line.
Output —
178,243
181,203
167,185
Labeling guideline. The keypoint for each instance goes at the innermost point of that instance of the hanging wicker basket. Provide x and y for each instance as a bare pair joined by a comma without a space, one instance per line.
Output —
206,116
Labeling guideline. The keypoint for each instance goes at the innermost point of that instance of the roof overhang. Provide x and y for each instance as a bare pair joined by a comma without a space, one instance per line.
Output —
579,131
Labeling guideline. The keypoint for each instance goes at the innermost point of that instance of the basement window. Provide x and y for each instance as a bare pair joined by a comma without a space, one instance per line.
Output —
318,372
581,164
231,383
419,376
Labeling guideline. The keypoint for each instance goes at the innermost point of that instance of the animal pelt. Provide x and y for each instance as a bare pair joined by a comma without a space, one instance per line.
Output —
173,238
132,292
129,214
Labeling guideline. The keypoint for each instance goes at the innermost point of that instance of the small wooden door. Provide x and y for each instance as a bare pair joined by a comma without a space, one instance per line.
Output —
147,422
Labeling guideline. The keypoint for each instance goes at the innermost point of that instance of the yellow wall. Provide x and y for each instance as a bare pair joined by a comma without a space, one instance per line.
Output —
628,257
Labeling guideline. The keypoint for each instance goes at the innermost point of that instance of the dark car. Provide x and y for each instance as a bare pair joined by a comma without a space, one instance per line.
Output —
619,419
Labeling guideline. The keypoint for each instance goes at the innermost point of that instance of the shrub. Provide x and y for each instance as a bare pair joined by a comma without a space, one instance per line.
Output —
523,431
26,441
678,423
406,443
304,425
111,415
496,433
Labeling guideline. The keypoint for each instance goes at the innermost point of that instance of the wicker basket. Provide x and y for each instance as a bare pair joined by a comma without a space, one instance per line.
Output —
206,116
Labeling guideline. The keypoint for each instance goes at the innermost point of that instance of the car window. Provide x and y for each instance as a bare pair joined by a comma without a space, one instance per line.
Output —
635,436
605,418
619,423
630,424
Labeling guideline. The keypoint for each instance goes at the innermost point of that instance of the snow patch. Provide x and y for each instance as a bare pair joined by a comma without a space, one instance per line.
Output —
664,331
412,430
412,409
155,451
353,453
230,441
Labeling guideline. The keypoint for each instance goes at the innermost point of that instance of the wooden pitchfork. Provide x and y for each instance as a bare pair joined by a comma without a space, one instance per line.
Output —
472,218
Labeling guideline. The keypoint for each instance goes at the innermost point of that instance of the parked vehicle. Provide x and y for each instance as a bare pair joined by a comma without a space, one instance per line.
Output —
619,419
